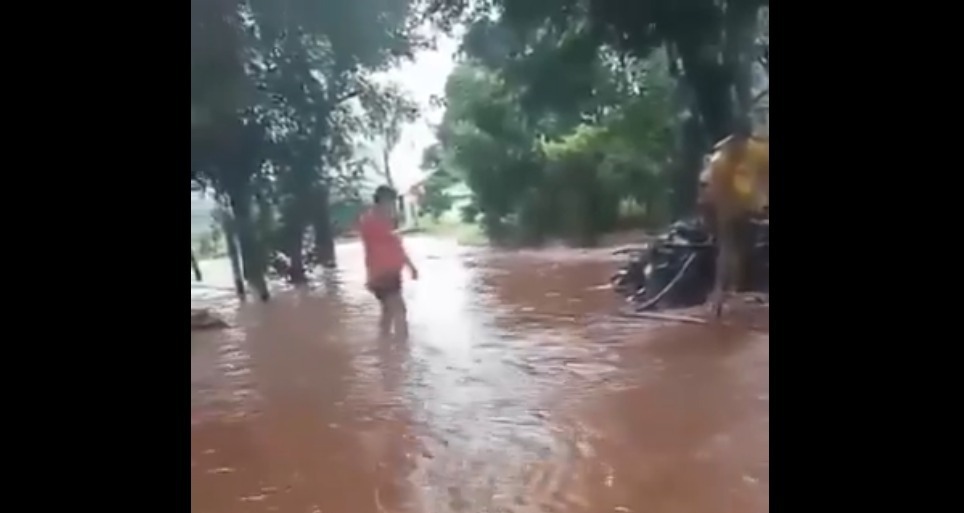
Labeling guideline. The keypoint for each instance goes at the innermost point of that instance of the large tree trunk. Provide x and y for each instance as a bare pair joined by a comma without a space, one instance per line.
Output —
267,232
252,252
295,223
234,255
708,74
709,79
740,50
691,140
712,87
297,187
324,236
691,147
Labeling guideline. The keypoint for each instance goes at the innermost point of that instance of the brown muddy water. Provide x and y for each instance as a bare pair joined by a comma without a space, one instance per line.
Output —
519,390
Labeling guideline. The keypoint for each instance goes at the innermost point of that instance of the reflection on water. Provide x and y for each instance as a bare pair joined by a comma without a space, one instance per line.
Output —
517,392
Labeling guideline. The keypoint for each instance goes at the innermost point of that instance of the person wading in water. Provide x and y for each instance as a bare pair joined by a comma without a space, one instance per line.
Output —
384,259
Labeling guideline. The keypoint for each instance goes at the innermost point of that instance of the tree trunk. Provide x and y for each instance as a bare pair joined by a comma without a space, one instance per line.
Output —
708,94
195,267
690,150
294,229
713,99
689,141
296,256
324,238
716,58
401,218
231,244
266,225
708,75
386,152
741,29
297,189
252,253
387,168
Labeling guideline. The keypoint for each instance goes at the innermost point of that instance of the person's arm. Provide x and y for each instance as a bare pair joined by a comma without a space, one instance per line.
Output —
408,261
411,266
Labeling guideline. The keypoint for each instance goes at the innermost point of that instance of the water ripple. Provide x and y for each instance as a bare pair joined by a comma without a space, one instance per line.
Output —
518,391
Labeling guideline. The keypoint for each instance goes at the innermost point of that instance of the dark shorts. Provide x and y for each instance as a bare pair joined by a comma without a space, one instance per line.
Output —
386,286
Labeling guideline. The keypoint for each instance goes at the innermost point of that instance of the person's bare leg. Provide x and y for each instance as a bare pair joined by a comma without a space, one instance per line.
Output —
399,316
385,321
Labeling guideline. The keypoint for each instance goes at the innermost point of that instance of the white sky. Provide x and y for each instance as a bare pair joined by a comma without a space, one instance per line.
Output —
423,78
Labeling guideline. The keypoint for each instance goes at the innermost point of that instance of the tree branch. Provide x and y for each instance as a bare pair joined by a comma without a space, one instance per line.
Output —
347,96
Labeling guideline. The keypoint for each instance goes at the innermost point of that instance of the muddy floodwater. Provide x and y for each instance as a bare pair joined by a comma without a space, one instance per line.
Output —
519,390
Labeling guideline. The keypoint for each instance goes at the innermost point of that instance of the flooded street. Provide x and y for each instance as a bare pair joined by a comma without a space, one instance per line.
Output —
519,390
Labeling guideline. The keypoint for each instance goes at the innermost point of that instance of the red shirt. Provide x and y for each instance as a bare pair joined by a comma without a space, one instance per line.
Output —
384,254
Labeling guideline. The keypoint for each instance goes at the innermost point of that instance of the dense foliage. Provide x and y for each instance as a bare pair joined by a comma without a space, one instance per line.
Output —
567,115
564,117
280,156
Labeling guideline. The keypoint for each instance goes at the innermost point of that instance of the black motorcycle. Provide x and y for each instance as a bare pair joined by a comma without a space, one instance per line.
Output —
677,268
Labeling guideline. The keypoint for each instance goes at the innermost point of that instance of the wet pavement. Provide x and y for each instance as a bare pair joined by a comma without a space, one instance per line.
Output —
519,390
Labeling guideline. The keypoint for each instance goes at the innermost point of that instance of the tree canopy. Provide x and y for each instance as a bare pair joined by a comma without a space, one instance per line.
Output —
564,117
616,100
283,151
553,51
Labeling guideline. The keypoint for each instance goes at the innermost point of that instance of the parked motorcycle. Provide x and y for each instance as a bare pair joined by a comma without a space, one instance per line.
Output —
677,268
